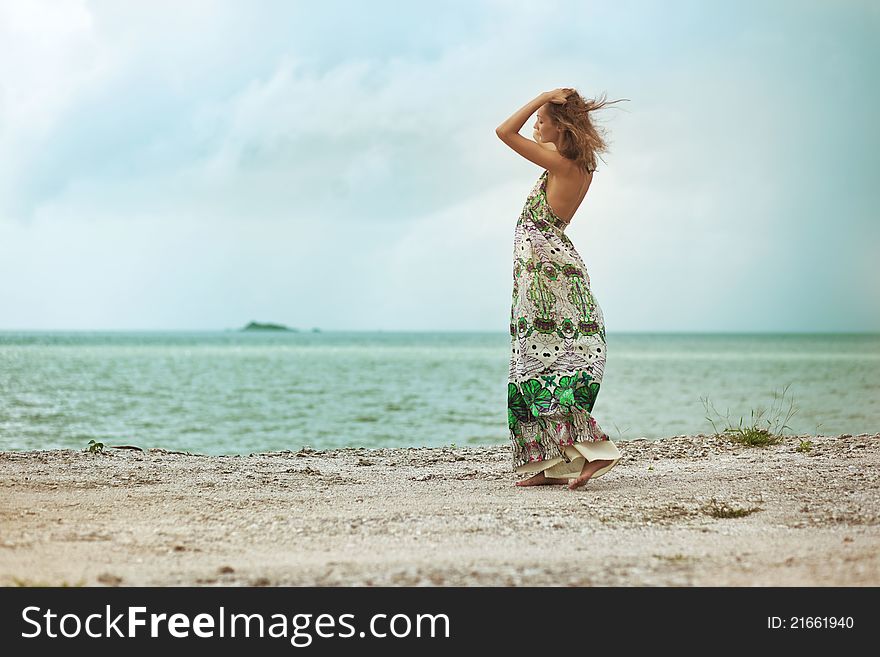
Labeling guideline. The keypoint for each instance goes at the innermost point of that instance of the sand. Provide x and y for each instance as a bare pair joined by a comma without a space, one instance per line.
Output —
445,516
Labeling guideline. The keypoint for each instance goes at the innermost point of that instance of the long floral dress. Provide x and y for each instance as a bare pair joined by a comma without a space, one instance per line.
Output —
557,350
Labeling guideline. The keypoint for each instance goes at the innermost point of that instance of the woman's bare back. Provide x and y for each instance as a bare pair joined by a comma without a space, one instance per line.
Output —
566,193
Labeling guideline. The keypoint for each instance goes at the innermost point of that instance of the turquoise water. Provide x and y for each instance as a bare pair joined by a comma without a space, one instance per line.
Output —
236,393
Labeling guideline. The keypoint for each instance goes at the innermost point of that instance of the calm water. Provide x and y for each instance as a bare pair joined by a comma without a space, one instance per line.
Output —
237,393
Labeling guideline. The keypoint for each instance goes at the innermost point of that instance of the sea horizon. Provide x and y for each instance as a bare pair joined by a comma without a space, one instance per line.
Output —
229,391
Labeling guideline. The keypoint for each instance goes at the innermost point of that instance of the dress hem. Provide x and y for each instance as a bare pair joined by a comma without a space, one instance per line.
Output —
577,453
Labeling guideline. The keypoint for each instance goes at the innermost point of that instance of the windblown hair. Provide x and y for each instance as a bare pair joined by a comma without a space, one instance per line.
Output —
581,140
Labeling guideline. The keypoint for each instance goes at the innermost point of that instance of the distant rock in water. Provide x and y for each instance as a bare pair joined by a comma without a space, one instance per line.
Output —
257,326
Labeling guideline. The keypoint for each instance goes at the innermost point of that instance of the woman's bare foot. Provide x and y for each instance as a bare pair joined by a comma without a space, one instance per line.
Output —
587,471
540,480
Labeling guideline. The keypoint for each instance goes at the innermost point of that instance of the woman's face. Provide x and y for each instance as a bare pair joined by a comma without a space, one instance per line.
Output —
544,130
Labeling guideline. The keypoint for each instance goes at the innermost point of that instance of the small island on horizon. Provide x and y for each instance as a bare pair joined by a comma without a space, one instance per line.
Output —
258,326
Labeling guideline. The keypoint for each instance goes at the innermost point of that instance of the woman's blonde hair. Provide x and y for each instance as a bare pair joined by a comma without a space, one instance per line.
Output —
581,140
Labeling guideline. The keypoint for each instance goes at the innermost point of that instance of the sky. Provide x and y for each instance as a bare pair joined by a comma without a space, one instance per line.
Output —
200,165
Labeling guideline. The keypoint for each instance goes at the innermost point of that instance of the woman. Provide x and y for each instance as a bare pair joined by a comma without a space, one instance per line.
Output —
557,330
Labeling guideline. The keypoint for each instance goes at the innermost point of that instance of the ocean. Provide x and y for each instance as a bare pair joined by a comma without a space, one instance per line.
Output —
234,392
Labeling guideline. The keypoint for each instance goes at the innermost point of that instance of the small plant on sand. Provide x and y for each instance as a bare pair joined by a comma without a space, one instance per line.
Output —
753,435
805,446
17,581
619,432
96,448
718,509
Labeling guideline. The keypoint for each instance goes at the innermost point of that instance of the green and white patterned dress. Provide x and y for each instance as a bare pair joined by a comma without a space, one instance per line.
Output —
557,349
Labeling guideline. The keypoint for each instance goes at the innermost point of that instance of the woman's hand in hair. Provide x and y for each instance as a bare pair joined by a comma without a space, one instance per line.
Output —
560,95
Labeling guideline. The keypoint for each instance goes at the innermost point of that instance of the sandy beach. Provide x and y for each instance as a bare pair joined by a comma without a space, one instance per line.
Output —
681,511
